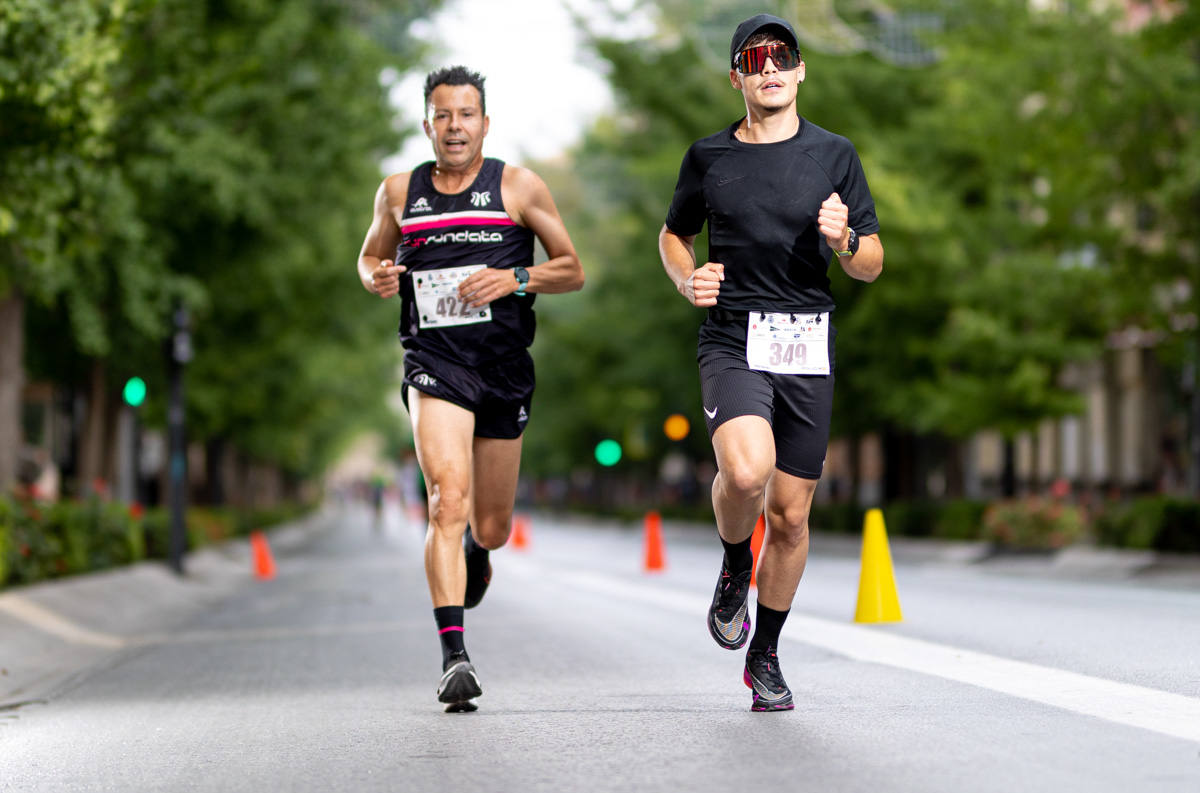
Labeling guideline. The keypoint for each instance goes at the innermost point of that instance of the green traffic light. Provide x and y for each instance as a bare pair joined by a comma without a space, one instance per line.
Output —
608,452
135,391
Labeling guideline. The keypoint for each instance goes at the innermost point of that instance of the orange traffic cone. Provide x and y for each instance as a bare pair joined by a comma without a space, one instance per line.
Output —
756,541
264,563
520,533
654,557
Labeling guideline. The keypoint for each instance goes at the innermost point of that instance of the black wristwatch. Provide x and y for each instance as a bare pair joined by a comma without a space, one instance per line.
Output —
522,280
851,246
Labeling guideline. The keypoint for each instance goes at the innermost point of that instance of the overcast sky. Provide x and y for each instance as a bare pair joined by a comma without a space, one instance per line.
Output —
542,88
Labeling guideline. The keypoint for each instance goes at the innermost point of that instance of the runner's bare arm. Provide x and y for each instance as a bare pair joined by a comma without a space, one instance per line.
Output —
699,285
377,272
867,263
530,204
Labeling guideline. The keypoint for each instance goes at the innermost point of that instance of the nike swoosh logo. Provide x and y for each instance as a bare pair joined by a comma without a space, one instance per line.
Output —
713,413
723,182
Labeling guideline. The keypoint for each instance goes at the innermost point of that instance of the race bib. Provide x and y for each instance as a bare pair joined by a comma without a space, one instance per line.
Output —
788,343
438,303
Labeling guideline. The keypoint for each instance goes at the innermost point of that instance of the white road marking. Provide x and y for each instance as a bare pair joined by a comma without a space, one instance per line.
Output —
49,622
1169,714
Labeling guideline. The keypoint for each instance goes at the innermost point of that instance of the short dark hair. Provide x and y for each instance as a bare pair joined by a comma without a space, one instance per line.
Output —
767,35
455,75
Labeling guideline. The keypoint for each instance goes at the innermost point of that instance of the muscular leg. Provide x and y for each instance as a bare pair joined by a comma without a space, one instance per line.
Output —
745,450
443,434
496,464
785,546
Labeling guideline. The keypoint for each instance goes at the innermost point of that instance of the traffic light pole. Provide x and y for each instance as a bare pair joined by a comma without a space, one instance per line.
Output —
180,354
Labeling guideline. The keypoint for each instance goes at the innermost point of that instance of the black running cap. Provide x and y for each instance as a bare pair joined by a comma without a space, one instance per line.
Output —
753,25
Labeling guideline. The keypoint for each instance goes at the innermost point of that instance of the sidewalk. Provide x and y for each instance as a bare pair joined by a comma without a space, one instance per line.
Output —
50,632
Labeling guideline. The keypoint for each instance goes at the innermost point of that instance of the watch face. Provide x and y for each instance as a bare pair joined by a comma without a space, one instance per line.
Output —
522,274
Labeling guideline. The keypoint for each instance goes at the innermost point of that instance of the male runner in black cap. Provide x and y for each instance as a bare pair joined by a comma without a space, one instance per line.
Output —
454,238
781,197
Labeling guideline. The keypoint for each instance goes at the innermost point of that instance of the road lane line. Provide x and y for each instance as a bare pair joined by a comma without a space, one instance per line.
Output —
54,624
1163,712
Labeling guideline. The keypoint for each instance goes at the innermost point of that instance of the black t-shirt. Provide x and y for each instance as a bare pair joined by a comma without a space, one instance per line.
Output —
761,202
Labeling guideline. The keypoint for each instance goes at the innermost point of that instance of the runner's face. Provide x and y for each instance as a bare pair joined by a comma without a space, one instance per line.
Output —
770,89
456,125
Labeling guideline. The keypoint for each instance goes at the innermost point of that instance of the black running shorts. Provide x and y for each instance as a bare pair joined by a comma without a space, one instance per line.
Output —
500,394
798,407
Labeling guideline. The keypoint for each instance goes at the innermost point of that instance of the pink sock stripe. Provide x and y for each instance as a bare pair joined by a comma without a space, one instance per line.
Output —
451,628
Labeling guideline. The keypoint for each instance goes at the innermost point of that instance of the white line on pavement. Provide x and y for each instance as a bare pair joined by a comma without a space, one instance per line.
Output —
1169,714
48,622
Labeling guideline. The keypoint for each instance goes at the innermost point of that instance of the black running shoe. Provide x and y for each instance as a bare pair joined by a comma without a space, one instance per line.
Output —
728,621
479,573
765,679
459,685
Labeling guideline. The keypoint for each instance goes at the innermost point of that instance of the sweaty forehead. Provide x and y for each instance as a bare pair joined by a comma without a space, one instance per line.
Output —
454,97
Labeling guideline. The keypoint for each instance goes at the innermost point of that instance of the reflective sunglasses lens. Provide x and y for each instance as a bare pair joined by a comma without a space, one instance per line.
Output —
785,57
753,60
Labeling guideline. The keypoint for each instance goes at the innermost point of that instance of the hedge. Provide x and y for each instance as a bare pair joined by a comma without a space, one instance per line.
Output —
41,540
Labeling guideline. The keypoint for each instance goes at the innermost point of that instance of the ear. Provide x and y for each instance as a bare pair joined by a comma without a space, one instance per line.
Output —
487,123
800,73
735,79
428,129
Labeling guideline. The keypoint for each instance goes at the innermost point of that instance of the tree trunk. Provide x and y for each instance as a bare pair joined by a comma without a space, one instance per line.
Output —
214,463
92,440
12,379
1008,475
955,472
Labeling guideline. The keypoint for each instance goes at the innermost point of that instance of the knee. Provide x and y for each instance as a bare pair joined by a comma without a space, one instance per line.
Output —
788,524
493,530
745,480
449,506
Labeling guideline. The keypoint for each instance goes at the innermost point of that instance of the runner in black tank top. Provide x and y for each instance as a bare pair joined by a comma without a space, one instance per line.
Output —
454,239
443,231
780,197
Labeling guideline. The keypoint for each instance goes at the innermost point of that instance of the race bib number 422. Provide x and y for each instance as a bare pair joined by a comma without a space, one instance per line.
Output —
788,343
438,303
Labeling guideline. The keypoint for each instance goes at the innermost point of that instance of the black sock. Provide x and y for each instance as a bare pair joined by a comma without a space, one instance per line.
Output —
450,630
475,552
738,556
766,630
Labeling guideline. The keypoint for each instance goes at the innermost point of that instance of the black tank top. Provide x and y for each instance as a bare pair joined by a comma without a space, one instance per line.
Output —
440,231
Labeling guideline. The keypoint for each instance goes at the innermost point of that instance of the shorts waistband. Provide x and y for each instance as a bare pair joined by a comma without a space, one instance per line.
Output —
726,315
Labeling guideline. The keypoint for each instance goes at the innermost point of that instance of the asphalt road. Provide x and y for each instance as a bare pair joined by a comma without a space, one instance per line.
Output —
1012,674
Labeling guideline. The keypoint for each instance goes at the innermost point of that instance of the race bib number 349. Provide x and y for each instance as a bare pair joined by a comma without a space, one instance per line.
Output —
788,343
438,303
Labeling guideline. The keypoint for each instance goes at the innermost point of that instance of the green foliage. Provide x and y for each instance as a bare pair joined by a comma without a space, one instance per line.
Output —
48,540
219,154
1160,523
1019,181
960,519
1033,524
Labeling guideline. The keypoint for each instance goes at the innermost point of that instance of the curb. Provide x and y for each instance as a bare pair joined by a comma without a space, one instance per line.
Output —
53,632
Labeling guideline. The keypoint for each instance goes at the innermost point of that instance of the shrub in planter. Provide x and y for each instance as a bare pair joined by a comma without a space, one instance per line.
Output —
836,518
1033,524
910,518
960,520
1159,522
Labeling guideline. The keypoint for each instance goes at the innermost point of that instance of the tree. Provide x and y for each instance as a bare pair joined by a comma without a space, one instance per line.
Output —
60,197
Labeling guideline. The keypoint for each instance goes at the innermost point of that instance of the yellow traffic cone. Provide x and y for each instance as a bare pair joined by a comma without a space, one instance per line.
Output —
877,598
